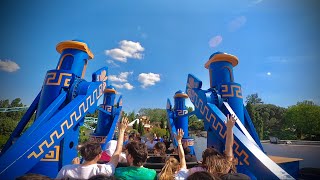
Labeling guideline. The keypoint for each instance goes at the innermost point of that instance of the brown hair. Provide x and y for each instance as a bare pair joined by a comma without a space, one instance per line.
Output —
169,169
33,176
215,162
138,151
90,150
161,148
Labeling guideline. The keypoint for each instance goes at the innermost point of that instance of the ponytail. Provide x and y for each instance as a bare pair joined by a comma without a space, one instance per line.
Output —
169,169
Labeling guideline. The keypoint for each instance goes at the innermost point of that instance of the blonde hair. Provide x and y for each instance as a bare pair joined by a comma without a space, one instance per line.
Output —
217,163
169,169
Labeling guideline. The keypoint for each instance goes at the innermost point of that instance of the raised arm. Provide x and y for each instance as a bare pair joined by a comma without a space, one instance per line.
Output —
229,139
183,163
122,128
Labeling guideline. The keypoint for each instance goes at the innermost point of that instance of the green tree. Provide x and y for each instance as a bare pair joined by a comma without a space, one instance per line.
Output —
131,116
304,120
254,99
163,124
141,128
159,131
135,125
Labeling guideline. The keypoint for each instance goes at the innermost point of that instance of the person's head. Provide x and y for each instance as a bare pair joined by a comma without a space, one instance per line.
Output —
160,148
91,151
215,162
33,176
131,137
186,150
200,175
169,169
102,177
126,137
234,176
136,153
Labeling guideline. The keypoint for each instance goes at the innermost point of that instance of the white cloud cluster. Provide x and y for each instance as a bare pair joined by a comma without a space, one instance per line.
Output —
123,77
112,63
8,66
125,85
127,49
215,41
237,23
149,79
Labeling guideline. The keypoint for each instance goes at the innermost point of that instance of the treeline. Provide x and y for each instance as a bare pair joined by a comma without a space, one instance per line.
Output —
300,121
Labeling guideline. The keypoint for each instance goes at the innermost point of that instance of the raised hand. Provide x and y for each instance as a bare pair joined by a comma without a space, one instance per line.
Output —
76,160
123,125
180,134
231,120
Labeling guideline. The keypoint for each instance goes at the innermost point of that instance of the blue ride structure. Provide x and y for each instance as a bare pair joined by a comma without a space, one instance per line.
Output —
60,107
108,117
178,119
212,106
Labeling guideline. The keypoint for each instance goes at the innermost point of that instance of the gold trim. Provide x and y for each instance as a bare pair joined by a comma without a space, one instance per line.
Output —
74,45
181,95
110,91
223,57
62,59
52,155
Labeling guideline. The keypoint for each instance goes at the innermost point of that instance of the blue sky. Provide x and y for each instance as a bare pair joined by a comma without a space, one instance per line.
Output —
151,46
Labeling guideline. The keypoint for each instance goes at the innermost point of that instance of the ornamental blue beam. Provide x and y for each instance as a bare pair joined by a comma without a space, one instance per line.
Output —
61,106
225,97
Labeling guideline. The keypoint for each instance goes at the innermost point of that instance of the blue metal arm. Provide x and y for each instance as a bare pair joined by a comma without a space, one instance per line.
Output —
28,150
246,152
23,122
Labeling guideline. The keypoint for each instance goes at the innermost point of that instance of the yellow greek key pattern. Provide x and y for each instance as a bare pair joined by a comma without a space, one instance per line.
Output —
234,90
53,80
68,123
204,110
242,152
52,155
98,139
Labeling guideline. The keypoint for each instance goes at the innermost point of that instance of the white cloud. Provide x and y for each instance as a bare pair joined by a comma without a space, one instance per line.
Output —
113,63
127,49
237,23
215,41
122,77
8,66
149,79
125,85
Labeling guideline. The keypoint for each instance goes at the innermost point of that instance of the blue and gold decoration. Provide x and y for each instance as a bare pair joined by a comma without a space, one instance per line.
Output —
108,117
225,97
61,105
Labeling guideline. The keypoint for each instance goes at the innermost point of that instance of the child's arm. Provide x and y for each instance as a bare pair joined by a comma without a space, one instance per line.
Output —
122,128
183,163
229,139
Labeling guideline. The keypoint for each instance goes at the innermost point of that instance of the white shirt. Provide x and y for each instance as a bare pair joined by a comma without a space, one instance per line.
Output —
181,174
150,145
78,171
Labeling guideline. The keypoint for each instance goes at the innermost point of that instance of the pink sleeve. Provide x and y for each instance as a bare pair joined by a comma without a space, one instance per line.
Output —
196,169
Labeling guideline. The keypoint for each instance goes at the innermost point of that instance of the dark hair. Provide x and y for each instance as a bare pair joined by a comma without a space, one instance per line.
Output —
200,175
161,147
102,177
138,151
186,150
33,177
209,152
90,150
